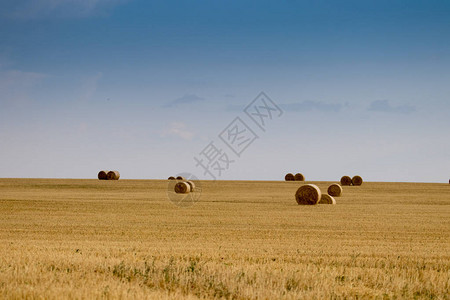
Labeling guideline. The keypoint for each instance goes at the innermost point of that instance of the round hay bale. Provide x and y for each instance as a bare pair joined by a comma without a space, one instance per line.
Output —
289,177
191,185
102,175
357,180
335,190
182,188
346,180
171,178
113,175
327,199
180,178
308,194
299,177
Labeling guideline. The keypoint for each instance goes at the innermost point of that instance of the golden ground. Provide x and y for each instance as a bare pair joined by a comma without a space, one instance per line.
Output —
241,240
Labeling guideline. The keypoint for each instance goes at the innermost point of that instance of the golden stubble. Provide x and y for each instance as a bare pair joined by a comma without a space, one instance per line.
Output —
241,240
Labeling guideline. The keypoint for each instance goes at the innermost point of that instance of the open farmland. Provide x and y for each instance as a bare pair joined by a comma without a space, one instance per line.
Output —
242,240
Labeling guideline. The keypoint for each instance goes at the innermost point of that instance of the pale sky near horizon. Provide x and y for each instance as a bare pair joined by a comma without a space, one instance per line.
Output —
144,86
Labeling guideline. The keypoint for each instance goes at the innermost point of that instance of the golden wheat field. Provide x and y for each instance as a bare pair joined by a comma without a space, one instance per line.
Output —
241,240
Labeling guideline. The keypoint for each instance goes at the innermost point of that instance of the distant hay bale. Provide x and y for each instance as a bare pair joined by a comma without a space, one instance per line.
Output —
182,188
335,190
346,180
308,194
180,178
357,180
113,175
299,177
171,178
102,175
289,177
191,185
327,199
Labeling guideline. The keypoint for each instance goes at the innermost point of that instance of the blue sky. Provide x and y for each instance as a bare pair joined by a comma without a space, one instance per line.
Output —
143,86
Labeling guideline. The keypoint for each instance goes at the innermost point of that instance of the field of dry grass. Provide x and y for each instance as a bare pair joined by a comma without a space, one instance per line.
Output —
242,240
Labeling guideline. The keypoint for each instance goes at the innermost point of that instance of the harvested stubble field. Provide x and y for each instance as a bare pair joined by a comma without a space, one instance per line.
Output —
242,240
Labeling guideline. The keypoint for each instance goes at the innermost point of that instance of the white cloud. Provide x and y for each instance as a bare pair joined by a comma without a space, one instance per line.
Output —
11,78
186,99
178,129
15,86
41,9
307,106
